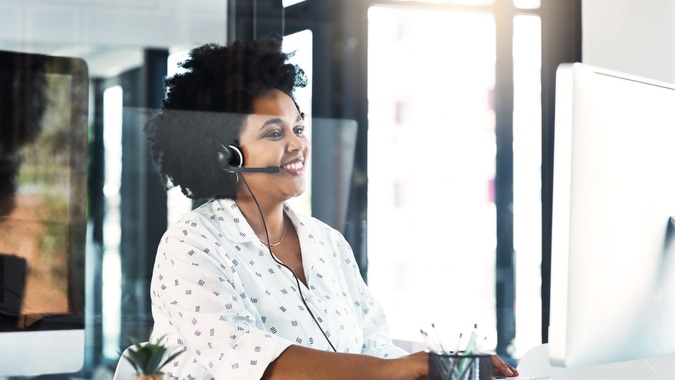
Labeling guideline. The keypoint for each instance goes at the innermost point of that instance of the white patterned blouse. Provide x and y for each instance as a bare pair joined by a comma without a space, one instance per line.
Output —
217,292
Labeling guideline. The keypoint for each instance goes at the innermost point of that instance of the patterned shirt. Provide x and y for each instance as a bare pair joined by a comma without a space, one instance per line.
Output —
217,292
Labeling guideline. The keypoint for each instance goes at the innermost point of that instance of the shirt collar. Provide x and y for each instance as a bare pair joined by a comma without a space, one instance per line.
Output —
236,227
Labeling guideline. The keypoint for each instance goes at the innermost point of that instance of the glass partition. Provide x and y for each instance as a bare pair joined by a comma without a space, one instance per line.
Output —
431,216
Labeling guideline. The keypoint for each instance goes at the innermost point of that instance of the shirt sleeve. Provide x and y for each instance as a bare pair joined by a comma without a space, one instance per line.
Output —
377,341
376,338
198,301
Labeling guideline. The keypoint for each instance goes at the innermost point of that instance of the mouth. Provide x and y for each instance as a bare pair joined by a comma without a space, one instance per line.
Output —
294,165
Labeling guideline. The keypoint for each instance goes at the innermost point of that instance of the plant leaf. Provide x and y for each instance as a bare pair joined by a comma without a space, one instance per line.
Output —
133,363
148,358
155,359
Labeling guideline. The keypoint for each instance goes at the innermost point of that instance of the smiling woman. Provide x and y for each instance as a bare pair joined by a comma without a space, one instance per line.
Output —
246,285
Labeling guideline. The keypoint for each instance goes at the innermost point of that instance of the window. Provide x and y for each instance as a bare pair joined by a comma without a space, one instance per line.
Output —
432,176
431,211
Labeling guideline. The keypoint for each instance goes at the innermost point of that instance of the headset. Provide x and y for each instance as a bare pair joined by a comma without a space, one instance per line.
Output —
230,159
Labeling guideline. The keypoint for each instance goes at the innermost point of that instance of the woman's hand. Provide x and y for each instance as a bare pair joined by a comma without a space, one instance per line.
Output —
413,367
417,363
501,368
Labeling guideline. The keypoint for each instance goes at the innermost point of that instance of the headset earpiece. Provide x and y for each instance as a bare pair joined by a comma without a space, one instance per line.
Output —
231,160
229,157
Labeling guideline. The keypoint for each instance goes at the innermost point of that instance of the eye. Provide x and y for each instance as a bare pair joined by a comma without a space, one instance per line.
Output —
299,130
274,134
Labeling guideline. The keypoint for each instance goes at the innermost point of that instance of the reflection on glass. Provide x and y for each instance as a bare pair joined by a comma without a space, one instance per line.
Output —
111,275
43,162
431,164
176,202
527,180
35,219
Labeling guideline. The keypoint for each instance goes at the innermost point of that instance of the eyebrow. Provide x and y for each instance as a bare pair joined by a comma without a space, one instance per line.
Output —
278,120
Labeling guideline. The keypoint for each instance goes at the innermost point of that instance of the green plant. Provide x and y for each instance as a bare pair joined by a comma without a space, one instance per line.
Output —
148,358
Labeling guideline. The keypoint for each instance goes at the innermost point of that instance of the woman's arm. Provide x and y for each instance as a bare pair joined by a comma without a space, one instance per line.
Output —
299,363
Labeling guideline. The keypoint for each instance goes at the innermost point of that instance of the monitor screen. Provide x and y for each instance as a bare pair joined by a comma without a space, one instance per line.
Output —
43,163
612,254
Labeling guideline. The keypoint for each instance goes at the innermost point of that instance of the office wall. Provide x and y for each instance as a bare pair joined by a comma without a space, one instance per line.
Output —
633,36
109,34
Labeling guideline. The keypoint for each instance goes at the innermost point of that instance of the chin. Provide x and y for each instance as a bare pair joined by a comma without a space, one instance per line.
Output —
296,193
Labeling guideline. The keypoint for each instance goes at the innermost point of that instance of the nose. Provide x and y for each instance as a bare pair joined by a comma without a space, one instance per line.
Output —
296,143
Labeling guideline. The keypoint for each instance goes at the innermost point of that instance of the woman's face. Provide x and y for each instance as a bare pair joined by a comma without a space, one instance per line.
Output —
274,136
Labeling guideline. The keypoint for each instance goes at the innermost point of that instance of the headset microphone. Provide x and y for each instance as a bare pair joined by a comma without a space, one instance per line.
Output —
267,169
231,160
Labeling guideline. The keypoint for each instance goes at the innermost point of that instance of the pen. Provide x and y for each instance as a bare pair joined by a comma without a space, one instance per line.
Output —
459,342
437,339
431,345
471,345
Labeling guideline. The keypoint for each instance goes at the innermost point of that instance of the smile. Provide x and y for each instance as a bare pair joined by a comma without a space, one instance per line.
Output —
293,165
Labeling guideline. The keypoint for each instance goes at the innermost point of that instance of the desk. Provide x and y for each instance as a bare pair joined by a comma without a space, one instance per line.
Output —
536,363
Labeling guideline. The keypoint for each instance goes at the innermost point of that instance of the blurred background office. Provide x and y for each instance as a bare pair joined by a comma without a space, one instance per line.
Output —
431,123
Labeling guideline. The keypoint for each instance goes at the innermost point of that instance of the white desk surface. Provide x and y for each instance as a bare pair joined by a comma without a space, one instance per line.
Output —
536,364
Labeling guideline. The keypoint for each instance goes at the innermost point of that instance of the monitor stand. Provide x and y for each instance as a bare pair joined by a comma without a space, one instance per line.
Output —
536,363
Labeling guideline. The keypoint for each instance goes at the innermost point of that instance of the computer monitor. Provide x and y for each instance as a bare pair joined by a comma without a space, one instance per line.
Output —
613,254
43,163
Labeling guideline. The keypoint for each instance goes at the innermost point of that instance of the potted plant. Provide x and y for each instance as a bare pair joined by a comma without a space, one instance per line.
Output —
148,358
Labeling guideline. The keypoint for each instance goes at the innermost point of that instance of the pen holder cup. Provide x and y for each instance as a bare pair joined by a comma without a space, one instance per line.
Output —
460,367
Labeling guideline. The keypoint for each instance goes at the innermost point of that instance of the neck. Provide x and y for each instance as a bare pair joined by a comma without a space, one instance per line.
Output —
274,218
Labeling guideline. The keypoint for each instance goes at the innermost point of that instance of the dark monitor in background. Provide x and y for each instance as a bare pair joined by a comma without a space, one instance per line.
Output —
613,248
43,164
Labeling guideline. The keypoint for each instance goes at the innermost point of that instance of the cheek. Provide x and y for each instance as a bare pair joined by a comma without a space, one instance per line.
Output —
252,155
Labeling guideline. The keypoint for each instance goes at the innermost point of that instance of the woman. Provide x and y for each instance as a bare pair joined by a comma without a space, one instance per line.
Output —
250,288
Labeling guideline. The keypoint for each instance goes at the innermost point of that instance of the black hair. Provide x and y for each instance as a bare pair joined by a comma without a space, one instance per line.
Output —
206,105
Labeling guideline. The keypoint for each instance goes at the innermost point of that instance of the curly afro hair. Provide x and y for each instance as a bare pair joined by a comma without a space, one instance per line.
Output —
206,106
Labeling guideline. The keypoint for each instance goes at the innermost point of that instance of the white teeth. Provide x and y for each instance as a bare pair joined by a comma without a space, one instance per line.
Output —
294,166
